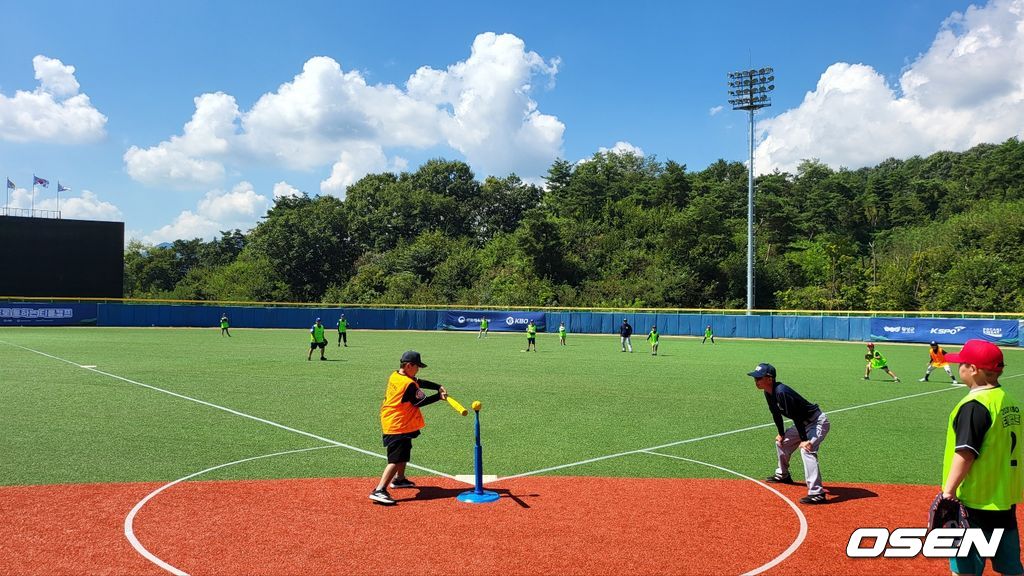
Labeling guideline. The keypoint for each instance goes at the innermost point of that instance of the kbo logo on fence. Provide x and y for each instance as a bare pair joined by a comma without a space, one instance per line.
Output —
909,542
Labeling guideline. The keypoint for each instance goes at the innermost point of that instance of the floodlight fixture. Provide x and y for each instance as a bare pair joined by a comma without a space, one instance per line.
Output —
750,91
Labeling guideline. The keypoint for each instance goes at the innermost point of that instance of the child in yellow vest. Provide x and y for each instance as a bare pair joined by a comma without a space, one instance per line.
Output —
401,421
982,466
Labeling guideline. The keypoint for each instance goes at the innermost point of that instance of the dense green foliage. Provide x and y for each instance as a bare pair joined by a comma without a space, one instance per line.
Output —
938,233
81,425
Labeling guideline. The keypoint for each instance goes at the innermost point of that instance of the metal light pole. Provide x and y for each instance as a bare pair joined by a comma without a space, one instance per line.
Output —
748,90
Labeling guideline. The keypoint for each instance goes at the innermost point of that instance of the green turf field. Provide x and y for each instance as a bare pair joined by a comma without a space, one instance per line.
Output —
61,423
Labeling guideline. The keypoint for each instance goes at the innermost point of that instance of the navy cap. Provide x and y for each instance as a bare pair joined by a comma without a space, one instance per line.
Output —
412,357
763,370
934,343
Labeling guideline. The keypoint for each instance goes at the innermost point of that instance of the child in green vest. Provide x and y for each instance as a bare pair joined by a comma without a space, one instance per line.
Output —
982,462
561,333
653,339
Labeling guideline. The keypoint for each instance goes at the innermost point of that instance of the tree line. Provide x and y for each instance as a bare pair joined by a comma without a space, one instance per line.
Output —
944,232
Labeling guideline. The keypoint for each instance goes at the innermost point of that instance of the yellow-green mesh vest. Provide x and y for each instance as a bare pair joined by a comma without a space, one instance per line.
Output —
317,335
996,479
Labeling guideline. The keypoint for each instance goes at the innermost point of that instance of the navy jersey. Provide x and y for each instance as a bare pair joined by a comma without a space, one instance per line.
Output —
784,401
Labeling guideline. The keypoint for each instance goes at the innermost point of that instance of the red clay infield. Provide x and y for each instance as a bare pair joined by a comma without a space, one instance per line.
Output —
542,525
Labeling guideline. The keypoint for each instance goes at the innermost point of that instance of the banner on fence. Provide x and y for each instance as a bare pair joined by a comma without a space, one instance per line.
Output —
30,314
945,330
498,321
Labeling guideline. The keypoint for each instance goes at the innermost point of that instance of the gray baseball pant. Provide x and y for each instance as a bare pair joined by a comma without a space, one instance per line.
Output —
816,431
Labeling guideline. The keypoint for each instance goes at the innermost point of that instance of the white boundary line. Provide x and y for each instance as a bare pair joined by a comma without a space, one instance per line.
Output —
708,437
129,521
801,536
230,411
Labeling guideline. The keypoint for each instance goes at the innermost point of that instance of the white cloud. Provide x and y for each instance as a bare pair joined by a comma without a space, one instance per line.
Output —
965,90
88,206
356,162
283,188
621,147
217,210
53,112
326,116
493,120
186,160
715,110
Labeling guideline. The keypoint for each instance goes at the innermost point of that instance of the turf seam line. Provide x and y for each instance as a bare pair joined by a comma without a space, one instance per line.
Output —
129,521
801,536
231,411
708,437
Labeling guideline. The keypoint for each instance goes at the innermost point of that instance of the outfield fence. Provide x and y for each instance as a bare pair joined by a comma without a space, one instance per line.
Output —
946,328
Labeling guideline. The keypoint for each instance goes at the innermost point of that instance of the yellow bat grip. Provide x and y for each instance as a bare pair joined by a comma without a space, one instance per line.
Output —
458,407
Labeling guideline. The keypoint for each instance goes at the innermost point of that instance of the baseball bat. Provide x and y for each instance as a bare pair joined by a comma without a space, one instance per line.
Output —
458,407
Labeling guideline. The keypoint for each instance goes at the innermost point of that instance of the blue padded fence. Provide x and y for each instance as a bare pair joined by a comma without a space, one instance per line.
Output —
668,323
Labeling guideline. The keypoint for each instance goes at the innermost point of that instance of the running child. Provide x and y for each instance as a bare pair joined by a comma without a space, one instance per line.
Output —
653,338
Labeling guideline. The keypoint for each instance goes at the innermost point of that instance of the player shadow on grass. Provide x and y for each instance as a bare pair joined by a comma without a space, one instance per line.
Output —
843,493
424,493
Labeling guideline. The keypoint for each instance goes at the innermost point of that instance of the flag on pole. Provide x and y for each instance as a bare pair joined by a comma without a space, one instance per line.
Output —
10,185
41,181
62,188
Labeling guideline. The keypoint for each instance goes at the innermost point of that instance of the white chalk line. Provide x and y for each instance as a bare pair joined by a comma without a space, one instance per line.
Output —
801,536
129,521
708,437
230,411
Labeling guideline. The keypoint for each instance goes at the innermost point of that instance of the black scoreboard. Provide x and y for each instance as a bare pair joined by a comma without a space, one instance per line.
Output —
61,258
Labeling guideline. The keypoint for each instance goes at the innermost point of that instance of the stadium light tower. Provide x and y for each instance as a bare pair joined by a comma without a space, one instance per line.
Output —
749,90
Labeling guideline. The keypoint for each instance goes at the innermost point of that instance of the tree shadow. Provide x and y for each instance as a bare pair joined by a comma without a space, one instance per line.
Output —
424,493
845,493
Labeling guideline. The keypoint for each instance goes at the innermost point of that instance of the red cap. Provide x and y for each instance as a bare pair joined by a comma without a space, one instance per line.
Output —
984,355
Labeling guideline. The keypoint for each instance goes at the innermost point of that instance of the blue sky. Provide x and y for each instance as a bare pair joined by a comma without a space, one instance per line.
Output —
184,118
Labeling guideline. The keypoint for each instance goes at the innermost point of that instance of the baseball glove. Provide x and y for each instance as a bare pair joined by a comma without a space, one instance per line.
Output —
946,513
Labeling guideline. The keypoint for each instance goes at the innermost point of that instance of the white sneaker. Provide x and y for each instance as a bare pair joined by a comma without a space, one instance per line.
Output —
923,380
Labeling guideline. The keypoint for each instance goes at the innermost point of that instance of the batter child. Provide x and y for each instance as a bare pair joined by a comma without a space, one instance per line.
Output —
401,421
810,426
937,359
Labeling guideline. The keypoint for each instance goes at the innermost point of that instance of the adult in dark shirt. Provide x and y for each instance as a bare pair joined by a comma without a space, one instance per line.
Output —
625,331
810,426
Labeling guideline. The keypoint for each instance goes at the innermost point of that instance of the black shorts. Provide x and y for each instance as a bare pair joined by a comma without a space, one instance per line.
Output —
318,344
399,446
530,339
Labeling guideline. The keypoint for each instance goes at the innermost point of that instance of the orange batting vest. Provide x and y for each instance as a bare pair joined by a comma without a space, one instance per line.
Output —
938,358
397,417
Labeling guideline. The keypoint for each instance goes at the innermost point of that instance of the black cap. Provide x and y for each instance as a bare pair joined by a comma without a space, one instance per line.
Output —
934,343
763,370
412,357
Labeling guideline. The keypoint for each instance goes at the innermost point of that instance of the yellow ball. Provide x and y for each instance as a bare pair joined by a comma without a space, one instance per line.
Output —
477,405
